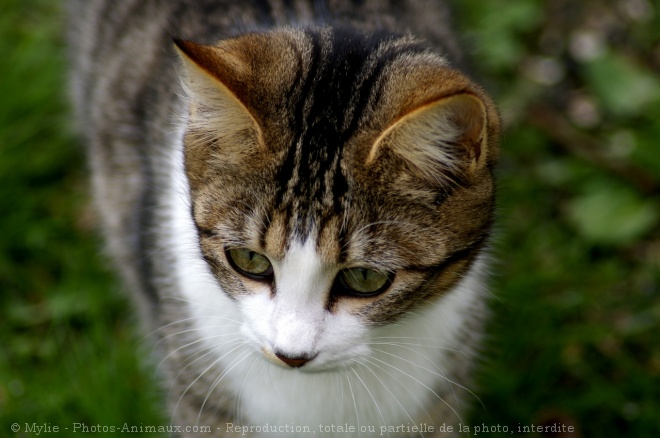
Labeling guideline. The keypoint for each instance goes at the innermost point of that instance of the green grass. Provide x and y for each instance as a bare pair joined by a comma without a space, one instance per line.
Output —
574,335
68,351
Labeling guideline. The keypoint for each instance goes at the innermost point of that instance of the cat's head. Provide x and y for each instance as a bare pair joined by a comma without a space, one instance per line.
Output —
339,181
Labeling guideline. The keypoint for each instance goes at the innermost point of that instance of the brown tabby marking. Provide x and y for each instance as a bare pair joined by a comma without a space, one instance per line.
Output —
427,144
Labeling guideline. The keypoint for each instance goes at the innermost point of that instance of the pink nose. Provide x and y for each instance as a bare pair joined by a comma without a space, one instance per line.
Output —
295,362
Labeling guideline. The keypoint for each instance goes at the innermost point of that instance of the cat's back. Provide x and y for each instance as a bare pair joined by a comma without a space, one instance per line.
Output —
132,39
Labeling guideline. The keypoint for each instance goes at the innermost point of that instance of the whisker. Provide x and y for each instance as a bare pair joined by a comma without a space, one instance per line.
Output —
208,351
180,321
217,381
431,362
201,305
408,390
189,344
443,375
238,408
350,387
188,363
191,330
407,345
176,407
416,338
372,398
424,385
366,366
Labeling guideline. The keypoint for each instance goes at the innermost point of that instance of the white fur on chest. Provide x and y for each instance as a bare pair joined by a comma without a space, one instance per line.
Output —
372,377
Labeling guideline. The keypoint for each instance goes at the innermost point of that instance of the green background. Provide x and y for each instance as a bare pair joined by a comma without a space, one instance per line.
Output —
576,306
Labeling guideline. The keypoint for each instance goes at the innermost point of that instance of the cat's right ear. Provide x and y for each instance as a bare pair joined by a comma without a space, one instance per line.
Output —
214,79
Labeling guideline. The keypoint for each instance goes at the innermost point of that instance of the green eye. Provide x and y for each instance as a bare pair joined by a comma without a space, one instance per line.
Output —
363,281
249,263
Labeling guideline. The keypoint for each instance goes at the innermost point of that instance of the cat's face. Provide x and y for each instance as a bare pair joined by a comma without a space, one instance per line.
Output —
334,190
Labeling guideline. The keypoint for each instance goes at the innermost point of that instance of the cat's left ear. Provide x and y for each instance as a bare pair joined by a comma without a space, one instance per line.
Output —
444,141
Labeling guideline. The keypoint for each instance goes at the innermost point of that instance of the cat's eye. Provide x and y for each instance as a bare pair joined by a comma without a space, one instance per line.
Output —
362,282
250,263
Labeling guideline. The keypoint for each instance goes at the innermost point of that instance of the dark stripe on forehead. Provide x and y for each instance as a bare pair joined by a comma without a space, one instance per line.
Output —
342,79
296,100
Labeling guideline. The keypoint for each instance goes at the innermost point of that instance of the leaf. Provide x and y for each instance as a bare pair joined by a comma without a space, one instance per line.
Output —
497,27
612,214
646,152
624,87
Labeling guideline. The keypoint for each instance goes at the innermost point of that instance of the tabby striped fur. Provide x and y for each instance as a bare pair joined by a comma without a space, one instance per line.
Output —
324,136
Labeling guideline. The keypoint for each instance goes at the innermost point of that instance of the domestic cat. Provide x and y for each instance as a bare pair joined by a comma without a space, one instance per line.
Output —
299,196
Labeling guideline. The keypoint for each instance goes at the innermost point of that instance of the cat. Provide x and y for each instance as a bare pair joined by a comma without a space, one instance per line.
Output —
299,195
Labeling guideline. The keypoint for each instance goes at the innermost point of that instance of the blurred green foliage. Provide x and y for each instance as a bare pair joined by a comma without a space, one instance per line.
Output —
68,353
576,307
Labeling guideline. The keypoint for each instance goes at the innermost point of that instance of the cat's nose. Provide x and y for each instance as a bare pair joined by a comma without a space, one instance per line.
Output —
295,362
